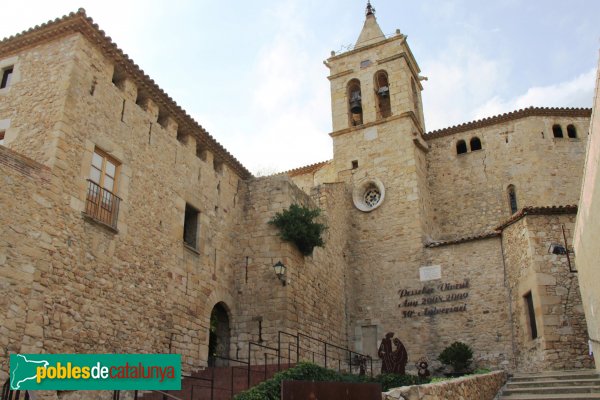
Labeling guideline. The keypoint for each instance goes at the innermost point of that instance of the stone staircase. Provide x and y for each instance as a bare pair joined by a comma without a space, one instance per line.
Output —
556,385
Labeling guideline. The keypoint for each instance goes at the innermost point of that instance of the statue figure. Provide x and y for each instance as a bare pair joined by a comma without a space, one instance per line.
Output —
422,368
393,360
385,353
399,357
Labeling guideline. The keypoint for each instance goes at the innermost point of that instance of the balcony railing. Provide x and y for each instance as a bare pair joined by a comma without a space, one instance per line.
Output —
102,205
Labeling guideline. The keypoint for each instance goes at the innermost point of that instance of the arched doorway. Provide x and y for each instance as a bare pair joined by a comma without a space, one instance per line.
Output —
219,336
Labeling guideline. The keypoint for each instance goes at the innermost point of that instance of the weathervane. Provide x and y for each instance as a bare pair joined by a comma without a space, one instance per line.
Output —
370,9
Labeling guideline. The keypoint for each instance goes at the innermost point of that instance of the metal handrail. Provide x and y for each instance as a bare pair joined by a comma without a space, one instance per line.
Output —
326,345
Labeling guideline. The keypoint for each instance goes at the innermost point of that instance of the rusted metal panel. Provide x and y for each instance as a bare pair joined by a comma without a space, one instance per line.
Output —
305,390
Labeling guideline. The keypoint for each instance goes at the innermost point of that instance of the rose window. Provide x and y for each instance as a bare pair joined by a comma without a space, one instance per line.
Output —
368,194
372,197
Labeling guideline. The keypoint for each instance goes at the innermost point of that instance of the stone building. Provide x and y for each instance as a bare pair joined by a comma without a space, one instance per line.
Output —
587,230
126,225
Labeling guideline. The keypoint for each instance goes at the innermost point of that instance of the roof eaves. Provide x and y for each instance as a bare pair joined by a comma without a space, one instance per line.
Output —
510,116
81,23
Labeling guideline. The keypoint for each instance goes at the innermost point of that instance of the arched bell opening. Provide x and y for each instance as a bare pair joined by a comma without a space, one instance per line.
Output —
382,94
355,111
219,336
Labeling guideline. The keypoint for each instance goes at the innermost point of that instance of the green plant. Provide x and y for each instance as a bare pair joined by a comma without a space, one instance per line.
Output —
297,225
304,371
458,355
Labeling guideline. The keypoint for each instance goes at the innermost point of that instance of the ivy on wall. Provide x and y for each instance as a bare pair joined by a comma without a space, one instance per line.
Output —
297,225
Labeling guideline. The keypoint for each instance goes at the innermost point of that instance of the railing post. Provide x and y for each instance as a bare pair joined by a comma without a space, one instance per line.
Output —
265,366
249,362
212,385
278,351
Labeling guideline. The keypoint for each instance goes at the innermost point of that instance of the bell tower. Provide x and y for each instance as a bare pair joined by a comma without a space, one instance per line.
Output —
380,154
374,86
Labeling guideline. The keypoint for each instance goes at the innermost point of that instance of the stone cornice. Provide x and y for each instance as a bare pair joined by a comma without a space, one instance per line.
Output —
363,48
511,116
80,23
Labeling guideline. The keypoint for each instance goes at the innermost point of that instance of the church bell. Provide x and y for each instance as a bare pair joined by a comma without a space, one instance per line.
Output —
355,103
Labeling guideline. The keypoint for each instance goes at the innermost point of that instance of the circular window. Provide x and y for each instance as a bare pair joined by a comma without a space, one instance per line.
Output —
372,197
368,194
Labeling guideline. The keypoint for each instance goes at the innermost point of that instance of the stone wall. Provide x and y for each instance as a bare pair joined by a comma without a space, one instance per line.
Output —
139,288
470,190
485,324
33,103
587,230
561,331
474,387
26,247
312,301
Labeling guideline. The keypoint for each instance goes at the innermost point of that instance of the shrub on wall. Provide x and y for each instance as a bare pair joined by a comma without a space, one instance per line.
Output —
297,225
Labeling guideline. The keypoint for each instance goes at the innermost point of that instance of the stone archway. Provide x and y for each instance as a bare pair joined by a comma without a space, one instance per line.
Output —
219,336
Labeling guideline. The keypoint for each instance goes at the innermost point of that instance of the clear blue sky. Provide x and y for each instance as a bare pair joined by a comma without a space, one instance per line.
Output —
251,72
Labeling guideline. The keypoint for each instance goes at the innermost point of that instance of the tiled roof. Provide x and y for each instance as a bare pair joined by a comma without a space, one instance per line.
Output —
307,169
496,119
497,231
79,22
484,235
548,210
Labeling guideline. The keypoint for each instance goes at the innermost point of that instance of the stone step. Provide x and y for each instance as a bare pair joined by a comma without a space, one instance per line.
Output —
552,390
553,382
568,396
557,375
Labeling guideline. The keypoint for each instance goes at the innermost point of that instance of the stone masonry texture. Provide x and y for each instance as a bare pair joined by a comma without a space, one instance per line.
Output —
442,258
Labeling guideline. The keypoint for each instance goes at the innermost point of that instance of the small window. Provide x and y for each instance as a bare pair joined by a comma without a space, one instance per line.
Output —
354,164
461,147
512,199
557,131
531,315
6,77
190,226
571,131
2,138
102,203
475,144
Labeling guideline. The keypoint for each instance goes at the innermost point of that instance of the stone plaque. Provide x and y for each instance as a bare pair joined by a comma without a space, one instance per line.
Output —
430,273
371,133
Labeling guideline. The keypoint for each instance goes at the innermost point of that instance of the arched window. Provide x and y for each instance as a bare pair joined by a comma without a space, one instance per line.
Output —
355,112
382,94
571,131
475,143
461,147
557,131
415,96
512,199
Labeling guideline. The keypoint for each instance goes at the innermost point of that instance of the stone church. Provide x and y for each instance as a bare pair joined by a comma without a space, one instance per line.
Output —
125,225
